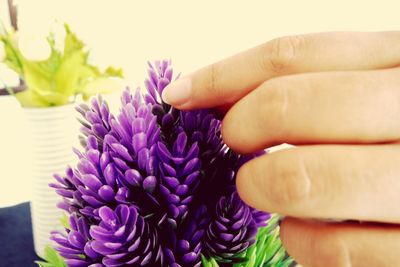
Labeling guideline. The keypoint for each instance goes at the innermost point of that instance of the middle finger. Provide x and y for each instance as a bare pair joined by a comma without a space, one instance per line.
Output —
326,107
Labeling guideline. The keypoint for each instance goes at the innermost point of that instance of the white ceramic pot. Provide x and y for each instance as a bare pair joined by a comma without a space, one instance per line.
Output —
53,132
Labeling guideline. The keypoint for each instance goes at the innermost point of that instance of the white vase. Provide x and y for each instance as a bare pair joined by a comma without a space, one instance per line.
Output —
53,132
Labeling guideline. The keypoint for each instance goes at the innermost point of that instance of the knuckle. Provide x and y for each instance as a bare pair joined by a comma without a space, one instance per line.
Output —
291,179
277,95
281,53
274,103
212,81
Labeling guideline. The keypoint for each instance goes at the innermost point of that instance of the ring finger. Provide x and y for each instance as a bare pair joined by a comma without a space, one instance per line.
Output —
326,181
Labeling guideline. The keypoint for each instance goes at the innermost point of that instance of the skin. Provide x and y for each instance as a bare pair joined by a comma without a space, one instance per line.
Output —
336,97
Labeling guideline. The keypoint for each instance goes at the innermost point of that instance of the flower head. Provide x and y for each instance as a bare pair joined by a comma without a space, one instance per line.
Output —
232,229
75,245
124,238
154,186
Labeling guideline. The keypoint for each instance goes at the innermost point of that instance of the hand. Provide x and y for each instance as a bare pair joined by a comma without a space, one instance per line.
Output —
336,96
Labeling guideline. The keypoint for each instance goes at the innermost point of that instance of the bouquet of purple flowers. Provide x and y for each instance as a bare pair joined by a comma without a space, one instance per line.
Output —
155,186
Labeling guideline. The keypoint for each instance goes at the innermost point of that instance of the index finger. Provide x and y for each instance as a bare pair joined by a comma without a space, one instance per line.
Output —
225,82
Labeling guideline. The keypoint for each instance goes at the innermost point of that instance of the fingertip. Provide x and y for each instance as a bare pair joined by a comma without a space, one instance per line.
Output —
164,96
231,133
248,189
178,93
241,185
235,130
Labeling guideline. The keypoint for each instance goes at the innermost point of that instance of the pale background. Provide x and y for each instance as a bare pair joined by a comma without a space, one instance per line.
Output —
191,33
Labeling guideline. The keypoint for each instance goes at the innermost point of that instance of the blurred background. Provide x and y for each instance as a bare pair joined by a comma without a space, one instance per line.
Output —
127,34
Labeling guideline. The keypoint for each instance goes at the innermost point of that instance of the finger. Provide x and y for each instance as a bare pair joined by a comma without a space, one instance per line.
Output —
230,79
328,107
326,181
316,244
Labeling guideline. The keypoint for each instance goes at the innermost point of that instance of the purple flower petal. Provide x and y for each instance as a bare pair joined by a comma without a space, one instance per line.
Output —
149,184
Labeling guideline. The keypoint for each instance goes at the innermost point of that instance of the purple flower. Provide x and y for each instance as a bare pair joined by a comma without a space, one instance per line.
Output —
124,238
96,119
154,186
76,245
184,247
232,228
180,176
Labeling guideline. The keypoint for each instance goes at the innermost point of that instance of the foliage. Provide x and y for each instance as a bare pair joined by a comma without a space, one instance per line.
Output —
58,79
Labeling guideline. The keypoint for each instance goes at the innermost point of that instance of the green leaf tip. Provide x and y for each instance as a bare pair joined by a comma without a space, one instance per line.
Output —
52,259
65,221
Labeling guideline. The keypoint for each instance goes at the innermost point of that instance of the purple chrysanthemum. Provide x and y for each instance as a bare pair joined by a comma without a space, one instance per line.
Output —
154,186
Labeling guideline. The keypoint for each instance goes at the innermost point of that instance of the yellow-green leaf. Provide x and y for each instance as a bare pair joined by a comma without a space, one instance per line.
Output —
67,76
30,99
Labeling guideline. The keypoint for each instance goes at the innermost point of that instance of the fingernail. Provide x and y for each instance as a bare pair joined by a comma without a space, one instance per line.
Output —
178,92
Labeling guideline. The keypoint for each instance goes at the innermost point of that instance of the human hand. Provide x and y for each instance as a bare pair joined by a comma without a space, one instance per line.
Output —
337,97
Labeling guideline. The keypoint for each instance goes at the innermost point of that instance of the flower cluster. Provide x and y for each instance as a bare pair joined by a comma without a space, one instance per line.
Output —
154,186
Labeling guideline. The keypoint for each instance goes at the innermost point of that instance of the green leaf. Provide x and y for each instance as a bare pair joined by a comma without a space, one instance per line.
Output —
12,54
114,72
101,86
53,259
29,98
36,76
65,221
71,42
44,264
211,262
51,255
67,76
